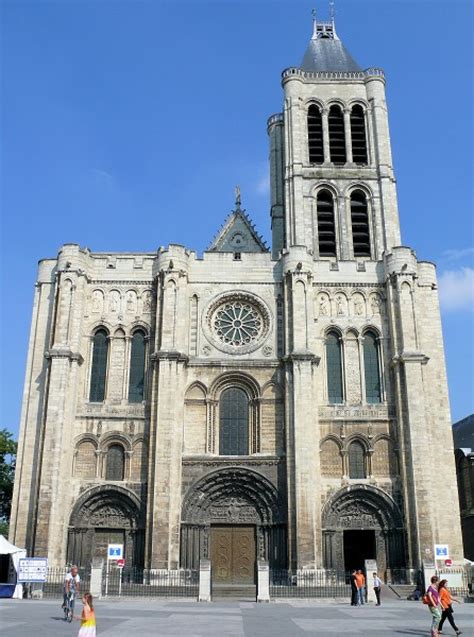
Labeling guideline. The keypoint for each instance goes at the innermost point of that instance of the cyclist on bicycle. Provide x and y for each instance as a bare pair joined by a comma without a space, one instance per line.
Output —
72,584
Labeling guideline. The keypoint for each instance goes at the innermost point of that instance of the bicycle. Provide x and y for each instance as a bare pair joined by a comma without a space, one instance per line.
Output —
69,607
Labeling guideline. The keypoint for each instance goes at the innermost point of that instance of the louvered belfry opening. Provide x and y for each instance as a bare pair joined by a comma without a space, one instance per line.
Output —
337,138
360,224
315,135
359,138
326,225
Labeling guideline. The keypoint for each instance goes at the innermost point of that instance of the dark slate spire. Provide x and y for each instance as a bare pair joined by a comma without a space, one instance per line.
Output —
326,52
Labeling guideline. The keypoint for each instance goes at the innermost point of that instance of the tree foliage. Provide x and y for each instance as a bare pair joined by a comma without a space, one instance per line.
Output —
7,474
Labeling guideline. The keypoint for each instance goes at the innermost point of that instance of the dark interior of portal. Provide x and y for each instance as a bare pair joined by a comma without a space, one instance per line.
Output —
358,546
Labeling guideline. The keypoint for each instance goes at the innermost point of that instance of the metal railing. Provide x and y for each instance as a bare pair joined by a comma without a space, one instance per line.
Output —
136,582
309,583
458,579
54,585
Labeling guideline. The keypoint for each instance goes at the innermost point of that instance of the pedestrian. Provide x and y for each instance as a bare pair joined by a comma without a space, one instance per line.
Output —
377,584
87,628
354,589
446,600
360,578
433,604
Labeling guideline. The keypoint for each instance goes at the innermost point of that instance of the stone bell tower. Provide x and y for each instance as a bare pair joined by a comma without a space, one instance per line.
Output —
348,281
332,134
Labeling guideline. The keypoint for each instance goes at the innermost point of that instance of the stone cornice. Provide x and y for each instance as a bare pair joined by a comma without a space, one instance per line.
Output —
302,356
410,357
169,355
120,282
243,461
227,362
58,352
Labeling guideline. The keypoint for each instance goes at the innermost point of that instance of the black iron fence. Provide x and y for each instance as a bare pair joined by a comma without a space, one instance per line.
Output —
135,582
54,585
310,583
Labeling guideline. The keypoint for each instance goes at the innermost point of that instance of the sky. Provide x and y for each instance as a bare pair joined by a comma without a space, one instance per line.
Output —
127,124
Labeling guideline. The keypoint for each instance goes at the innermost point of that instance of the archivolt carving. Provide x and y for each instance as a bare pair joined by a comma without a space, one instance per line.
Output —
233,495
111,507
361,506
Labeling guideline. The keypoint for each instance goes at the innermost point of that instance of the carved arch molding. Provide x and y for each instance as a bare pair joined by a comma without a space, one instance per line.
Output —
361,507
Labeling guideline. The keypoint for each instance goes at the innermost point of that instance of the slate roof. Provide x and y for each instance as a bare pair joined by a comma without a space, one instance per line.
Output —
326,54
463,433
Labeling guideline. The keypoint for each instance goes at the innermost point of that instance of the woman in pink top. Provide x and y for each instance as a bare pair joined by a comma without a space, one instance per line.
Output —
434,607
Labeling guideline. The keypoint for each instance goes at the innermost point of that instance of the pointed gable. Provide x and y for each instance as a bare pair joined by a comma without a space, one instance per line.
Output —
238,234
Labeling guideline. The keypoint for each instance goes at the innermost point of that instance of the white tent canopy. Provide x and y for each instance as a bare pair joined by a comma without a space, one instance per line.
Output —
6,548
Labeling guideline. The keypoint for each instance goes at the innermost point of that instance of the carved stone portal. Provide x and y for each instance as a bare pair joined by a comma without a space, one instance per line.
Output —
114,511
233,496
363,508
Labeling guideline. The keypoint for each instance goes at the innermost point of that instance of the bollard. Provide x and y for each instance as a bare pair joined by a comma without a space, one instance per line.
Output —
263,582
97,568
205,581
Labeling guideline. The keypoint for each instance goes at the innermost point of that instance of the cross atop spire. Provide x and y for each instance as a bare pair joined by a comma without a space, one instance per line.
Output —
327,29
238,200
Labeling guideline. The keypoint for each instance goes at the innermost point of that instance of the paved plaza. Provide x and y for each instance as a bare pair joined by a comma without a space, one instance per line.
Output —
29,618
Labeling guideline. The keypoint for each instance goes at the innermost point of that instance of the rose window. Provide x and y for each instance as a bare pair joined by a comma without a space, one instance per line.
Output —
237,323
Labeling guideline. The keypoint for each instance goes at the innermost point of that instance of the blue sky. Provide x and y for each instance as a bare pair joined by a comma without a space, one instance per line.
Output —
127,124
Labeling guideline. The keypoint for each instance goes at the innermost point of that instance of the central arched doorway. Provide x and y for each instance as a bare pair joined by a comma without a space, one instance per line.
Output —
362,522
106,515
233,517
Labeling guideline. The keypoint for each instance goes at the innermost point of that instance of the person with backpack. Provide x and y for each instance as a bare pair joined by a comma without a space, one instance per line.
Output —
446,600
431,599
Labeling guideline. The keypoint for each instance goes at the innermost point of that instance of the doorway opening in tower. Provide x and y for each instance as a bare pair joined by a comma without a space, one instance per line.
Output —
358,546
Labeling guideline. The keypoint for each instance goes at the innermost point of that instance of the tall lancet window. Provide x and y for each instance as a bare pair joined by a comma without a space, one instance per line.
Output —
357,460
137,368
115,463
100,348
360,224
315,135
337,137
326,224
359,138
234,422
334,367
373,391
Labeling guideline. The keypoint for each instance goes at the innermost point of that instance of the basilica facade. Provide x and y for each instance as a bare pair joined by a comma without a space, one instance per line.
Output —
286,404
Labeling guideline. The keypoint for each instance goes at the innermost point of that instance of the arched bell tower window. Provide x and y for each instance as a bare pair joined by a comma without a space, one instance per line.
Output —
115,463
373,392
358,135
337,137
100,347
334,368
326,224
360,224
234,422
136,383
357,460
315,135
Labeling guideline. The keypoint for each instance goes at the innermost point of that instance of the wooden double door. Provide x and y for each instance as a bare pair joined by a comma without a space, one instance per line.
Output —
233,555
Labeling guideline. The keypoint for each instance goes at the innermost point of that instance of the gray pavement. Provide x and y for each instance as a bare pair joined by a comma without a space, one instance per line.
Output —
292,618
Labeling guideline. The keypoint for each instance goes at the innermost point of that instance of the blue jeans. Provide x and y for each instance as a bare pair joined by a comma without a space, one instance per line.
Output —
361,595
